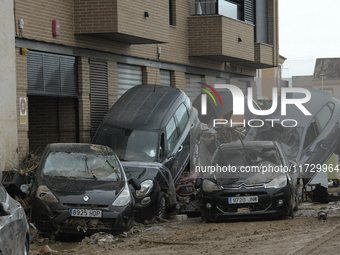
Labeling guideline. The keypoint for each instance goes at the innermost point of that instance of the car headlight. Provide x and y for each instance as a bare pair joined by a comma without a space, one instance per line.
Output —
145,188
209,186
278,182
124,197
46,195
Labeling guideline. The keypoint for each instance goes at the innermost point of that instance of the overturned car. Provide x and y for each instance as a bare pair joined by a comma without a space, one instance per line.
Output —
250,179
149,129
81,189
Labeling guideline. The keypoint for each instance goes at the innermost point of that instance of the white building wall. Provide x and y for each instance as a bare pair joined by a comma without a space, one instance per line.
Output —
8,105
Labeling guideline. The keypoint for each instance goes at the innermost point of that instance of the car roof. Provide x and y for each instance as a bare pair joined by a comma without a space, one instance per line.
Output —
145,107
80,148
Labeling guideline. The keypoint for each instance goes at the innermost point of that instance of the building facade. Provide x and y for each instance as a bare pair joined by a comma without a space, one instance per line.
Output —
83,55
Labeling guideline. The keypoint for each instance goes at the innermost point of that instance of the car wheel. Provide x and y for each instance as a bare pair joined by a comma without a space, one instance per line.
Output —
204,216
290,208
162,206
26,248
336,182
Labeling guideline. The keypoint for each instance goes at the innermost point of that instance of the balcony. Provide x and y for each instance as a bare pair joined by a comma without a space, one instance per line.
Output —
224,31
113,20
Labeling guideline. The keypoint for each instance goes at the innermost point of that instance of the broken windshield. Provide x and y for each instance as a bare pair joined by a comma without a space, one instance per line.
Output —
130,144
288,137
81,165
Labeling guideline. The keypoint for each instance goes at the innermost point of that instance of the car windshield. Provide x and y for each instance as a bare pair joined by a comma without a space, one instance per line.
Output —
288,137
130,144
81,165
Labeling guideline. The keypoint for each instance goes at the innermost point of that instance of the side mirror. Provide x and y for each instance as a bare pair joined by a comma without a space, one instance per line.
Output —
135,183
198,183
4,209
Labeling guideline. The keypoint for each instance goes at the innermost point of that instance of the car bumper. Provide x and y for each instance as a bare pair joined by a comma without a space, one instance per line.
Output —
147,211
271,202
55,217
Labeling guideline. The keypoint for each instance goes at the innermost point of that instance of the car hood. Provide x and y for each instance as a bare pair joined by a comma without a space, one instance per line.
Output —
142,170
74,191
243,179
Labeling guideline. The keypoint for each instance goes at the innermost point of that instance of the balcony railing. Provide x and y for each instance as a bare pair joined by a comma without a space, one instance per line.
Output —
206,7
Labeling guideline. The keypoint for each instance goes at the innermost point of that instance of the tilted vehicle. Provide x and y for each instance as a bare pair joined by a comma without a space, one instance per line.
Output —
14,229
250,179
314,138
81,189
149,128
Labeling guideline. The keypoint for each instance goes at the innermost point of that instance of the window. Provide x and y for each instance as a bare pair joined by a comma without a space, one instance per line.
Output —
311,134
172,12
231,9
182,117
171,134
324,115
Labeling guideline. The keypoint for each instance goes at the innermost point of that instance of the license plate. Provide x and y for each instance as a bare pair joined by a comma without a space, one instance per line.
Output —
243,200
86,213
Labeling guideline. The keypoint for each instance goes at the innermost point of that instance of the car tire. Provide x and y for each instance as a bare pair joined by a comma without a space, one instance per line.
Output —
204,216
27,247
336,183
162,206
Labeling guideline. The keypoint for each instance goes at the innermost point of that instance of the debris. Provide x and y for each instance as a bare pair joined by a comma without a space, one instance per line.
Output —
322,215
164,242
181,217
46,249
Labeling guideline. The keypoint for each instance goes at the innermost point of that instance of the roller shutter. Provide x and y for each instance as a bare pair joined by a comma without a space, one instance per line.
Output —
192,82
99,93
128,77
51,75
165,77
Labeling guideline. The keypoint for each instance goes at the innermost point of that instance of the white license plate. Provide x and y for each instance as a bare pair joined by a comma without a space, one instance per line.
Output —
243,200
86,213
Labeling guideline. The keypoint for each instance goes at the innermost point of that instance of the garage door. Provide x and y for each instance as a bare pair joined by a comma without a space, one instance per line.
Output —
165,77
192,84
128,77
51,75
99,93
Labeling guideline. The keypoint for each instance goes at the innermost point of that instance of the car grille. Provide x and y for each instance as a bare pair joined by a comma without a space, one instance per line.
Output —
263,204
87,206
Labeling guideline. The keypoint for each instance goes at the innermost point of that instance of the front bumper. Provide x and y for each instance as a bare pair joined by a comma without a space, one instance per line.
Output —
50,218
271,202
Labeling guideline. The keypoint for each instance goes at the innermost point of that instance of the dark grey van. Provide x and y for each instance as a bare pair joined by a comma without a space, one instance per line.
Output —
149,130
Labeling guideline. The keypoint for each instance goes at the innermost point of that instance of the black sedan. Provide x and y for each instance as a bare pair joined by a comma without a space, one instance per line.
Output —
310,139
250,179
81,189
14,230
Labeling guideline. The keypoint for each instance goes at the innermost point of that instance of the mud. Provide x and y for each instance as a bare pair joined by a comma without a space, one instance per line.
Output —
303,234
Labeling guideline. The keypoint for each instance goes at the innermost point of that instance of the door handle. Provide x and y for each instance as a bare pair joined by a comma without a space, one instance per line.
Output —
180,148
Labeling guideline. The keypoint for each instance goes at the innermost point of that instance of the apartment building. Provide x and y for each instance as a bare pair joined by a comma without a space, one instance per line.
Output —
83,55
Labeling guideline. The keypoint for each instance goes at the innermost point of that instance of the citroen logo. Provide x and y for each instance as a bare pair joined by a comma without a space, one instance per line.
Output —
86,198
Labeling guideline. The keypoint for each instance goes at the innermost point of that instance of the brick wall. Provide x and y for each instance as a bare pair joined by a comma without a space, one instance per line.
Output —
21,66
151,75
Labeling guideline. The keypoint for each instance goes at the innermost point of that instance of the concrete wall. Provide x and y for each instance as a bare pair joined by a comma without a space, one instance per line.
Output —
8,103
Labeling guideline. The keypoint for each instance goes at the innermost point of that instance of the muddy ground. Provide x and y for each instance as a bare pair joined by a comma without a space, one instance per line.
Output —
304,234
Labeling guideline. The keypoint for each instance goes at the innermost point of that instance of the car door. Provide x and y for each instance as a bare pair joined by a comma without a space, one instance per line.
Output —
178,141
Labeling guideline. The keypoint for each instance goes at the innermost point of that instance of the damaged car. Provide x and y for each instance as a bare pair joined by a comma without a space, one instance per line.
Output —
81,189
14,229
149,129
250,179
309,139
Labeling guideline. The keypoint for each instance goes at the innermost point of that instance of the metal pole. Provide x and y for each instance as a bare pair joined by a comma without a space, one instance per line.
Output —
322,81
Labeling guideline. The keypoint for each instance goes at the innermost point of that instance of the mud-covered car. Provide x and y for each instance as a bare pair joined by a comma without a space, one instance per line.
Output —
14,229
149,128
250,179
81,189
310,139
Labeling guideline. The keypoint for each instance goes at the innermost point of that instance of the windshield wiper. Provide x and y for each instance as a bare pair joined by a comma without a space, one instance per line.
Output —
89,170
114,170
